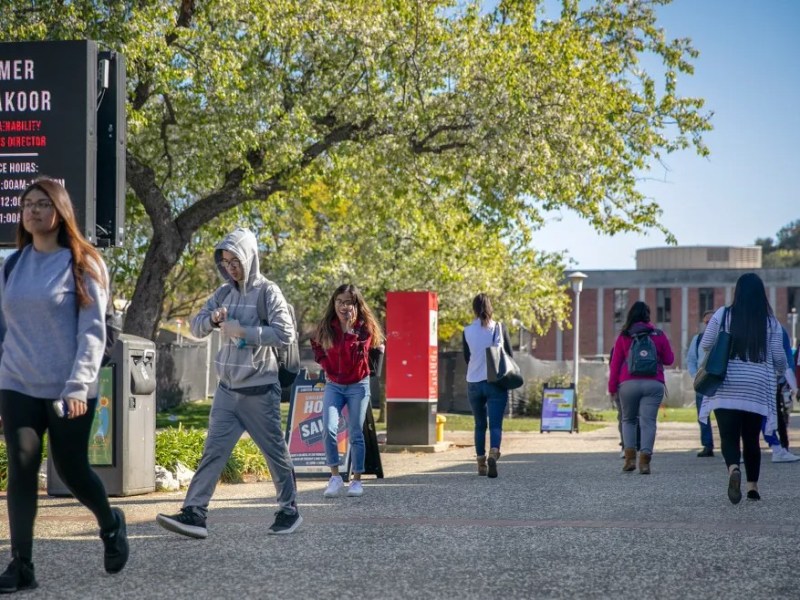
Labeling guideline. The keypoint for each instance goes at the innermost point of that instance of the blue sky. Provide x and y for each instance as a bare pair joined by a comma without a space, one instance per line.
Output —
748,72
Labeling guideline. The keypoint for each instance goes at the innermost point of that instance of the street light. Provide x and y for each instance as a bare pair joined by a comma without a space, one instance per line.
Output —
517,323
576,279
793,321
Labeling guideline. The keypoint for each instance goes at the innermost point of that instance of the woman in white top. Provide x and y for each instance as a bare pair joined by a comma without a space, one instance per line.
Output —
486,399
745,402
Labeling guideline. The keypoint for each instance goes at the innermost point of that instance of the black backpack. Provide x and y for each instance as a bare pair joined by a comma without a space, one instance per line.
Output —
643,356
288,356
112,326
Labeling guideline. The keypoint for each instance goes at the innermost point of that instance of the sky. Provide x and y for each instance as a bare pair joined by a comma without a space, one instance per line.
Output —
748,72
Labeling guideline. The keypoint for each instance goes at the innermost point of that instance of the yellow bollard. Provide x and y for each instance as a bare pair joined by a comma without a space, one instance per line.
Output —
440,421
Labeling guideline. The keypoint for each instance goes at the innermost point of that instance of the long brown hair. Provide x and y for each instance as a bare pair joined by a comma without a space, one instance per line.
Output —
482,307
85,259
325,335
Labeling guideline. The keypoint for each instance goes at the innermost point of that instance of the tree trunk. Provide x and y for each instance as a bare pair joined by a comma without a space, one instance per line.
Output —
144,313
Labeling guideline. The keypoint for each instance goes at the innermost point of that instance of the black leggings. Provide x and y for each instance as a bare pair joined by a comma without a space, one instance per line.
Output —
733,426
25,420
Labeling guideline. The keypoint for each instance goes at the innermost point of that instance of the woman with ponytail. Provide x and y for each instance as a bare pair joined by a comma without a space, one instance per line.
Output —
488,400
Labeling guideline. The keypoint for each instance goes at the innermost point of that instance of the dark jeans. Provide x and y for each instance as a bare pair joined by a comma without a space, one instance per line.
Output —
487,398
706,436
25,420
735,425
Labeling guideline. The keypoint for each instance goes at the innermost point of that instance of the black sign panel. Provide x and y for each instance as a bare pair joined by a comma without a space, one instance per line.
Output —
47,125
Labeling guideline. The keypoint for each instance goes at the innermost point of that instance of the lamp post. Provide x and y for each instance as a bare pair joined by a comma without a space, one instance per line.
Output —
793,323
576,280
517,323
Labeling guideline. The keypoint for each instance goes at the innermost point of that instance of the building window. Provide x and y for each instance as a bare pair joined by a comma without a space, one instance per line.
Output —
705,300
717,254
663,305
620,305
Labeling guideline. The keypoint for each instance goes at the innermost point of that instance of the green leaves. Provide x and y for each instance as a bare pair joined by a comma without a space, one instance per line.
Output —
399,145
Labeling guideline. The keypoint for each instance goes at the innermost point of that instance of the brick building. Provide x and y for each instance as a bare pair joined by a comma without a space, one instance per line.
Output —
679,284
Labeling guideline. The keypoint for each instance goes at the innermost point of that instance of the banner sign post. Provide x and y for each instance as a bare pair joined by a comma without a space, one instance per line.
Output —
559,409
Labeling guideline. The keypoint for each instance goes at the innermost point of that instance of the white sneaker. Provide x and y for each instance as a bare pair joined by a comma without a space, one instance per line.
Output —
335,485
622,453
355,489
783,455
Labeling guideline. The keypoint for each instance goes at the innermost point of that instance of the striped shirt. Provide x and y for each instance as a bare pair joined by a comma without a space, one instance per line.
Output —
748,386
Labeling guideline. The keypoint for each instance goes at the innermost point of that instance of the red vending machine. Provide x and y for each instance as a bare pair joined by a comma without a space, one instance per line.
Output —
412,363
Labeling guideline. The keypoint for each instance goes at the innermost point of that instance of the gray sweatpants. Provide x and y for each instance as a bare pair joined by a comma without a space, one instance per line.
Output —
231,415
640,398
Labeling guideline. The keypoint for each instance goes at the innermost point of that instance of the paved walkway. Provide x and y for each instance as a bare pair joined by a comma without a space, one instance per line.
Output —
561,521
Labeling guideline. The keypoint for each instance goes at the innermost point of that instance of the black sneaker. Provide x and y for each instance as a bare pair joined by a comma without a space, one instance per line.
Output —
17,576
116,544
706,452
734,486
187,522
285,523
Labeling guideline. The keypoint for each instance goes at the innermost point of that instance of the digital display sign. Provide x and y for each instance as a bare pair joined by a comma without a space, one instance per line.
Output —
48,97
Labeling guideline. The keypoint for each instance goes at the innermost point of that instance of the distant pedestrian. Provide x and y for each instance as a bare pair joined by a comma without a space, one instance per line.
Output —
341,344
637,373
52,329
745,402
694,358
248,397
615,403
487,400
787,387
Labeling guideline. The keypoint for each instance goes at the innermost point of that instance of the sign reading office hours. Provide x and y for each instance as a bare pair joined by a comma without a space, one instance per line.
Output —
47,125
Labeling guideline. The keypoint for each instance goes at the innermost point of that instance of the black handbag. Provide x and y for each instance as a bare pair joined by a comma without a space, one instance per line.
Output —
712,372
501,368
375,359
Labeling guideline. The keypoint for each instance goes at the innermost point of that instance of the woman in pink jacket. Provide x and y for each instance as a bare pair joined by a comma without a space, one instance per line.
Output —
637,374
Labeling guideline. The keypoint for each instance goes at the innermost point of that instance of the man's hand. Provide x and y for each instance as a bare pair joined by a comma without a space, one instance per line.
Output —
232,329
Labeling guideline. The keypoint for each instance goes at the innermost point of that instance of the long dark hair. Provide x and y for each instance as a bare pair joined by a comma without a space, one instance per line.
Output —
86,260
325,335
482,307
750,313
638,313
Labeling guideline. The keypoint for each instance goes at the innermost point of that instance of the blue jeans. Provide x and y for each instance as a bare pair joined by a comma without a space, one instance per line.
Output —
706,437
355,396
485,397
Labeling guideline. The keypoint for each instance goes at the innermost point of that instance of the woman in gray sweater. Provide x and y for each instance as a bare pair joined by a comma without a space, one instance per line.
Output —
52,338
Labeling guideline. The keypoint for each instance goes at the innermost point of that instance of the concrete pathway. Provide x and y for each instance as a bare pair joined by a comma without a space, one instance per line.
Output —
561,521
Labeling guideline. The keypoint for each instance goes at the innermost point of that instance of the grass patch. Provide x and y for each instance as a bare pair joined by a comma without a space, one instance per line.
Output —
195,415
665,415
457,422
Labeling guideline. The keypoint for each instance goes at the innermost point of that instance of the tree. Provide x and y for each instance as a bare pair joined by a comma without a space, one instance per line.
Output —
786,253
498,114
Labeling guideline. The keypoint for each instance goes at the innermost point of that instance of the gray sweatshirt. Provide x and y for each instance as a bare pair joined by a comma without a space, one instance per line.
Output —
48,347
254,364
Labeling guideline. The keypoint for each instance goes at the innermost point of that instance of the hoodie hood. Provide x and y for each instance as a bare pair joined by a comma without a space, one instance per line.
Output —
242,243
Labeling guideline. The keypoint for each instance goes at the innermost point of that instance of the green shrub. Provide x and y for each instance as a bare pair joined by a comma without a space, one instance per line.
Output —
535,387
177,444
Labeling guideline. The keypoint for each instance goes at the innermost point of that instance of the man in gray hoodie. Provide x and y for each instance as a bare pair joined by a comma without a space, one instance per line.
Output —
254,319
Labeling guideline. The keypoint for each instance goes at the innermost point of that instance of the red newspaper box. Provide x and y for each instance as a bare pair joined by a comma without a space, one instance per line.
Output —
412,363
